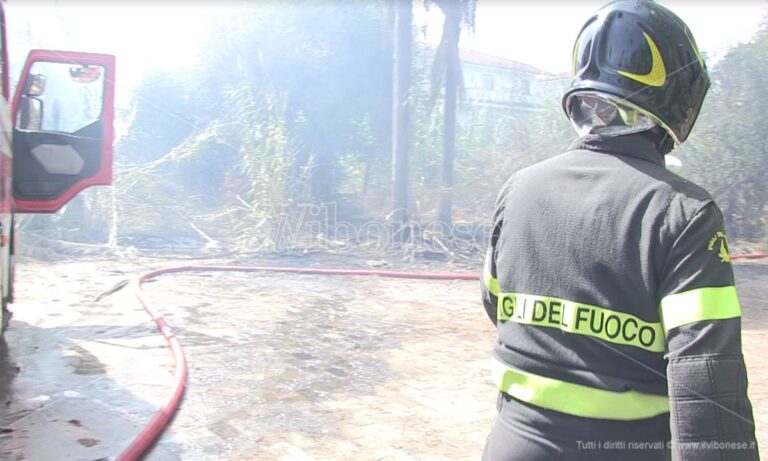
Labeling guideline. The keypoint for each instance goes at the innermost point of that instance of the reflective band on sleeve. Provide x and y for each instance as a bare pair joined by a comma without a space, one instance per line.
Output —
577,399
491,282
582,319
709,303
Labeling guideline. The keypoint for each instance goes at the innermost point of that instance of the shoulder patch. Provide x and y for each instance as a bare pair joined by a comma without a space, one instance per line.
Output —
722,248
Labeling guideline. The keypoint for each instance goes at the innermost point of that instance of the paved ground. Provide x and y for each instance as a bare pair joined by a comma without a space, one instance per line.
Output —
281,367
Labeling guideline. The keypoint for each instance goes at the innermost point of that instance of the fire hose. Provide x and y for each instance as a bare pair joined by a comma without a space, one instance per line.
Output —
152,431
162,417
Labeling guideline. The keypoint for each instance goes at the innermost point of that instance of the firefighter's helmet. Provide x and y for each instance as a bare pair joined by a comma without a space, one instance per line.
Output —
640,58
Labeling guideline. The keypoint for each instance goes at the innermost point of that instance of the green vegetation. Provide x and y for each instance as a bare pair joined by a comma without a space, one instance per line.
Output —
728,149
291,108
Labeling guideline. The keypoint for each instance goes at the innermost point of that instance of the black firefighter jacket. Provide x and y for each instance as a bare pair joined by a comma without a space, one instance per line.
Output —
609,280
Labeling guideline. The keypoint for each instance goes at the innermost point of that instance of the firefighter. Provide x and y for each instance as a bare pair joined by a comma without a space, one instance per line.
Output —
608,277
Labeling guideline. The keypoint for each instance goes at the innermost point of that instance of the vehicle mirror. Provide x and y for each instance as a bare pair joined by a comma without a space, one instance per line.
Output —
35,85
85,74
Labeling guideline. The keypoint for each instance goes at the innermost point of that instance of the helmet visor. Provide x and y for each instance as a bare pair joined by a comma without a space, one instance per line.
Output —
597,113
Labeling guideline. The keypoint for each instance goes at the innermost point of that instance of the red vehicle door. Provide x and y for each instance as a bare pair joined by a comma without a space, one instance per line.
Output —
63,111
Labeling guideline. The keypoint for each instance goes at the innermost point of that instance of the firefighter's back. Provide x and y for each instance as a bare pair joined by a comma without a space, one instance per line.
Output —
579,256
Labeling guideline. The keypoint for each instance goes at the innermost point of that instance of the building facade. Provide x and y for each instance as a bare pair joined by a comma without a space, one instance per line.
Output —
493,81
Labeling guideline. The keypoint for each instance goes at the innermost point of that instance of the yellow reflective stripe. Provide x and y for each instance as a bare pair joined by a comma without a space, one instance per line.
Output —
658,74
708,303
577,399
582,319
491,282
575,55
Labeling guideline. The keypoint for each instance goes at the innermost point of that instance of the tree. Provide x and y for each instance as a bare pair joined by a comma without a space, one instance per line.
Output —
401,109
727,150
159,119
325,68
457,13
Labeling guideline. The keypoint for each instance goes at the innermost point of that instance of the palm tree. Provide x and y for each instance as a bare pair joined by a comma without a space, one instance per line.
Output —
401,111
457,13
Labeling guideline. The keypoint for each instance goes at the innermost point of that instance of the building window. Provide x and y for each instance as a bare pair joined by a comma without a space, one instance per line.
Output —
521,87
487,82
525,87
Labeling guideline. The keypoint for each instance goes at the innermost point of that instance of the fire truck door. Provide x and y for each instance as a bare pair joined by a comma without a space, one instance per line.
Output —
63,112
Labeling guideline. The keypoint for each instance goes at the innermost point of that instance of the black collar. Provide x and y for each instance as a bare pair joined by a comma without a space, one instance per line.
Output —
631,145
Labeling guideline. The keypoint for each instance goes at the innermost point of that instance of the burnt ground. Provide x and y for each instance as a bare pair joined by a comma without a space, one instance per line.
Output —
282,367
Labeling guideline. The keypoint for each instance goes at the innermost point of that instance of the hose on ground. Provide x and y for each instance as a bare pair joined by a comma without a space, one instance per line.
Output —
152,431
